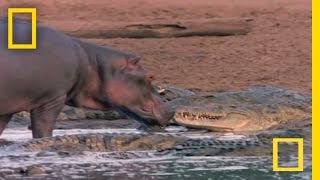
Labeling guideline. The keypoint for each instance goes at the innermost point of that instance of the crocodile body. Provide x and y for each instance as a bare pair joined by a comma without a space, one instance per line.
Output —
142,145
138,145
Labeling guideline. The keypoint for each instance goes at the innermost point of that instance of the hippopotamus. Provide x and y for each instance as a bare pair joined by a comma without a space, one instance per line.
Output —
66,70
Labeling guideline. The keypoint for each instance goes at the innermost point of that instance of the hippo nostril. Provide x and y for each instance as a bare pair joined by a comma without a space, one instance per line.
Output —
150,77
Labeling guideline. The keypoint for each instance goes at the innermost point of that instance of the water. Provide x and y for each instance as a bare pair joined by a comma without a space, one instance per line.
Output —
100,165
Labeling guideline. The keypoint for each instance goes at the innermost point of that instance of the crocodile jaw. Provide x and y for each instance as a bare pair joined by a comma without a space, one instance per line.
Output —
214,121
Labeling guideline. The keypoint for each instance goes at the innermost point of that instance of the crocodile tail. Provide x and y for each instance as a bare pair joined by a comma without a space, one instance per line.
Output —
208,147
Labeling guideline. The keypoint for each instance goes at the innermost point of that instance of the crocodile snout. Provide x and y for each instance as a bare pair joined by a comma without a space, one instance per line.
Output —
210,119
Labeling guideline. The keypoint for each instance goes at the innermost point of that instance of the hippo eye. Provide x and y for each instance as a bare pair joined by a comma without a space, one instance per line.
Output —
134,60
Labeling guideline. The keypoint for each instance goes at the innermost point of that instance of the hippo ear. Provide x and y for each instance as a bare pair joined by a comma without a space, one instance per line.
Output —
134,60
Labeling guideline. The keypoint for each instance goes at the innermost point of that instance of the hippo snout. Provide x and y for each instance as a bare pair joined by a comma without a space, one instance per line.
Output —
163,114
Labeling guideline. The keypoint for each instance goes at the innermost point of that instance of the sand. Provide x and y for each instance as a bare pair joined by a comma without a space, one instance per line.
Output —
276,52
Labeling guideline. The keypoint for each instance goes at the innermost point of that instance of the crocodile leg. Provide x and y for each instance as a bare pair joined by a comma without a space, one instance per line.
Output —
4,119
44,117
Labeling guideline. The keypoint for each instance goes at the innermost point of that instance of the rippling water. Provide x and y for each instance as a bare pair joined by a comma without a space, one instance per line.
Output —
92,165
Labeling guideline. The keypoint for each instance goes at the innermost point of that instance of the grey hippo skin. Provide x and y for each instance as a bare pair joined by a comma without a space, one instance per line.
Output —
65,70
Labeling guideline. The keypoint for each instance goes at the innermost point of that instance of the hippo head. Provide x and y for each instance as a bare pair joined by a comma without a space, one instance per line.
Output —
127,87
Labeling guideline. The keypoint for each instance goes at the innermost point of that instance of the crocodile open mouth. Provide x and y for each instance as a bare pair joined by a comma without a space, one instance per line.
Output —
215,121
195,116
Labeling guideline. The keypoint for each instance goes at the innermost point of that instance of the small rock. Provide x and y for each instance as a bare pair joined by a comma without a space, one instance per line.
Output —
33,170
5,171
46,154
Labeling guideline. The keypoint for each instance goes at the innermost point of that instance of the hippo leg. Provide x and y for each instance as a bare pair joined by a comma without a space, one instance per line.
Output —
44,117
4,119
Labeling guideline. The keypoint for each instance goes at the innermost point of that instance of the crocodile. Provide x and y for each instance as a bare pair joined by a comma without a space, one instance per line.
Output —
124,145
253,109
146,145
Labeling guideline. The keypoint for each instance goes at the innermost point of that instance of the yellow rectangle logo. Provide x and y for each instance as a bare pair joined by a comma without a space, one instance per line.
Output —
275,157
33,12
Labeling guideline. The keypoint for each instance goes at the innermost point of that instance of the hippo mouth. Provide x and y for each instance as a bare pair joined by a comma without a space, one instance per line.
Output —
214,121
143,117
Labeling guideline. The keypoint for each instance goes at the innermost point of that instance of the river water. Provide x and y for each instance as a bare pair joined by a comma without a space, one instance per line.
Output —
100,165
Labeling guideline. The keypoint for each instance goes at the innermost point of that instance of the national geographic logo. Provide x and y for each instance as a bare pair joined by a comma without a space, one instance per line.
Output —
275,156
33,12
